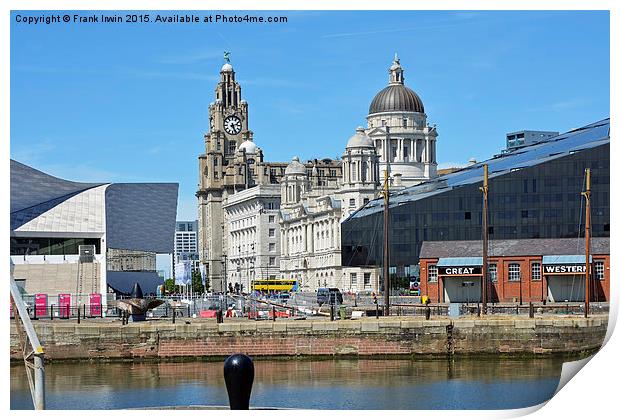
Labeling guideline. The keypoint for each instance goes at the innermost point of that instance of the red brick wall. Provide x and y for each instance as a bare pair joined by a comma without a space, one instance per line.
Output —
504,290
290,346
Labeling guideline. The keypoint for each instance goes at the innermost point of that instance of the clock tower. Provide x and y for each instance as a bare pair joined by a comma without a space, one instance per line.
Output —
228,129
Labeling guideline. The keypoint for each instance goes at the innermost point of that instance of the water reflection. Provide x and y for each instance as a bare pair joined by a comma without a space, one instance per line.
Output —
324,384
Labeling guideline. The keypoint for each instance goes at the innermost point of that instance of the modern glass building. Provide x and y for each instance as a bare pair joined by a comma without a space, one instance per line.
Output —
87,238
534,192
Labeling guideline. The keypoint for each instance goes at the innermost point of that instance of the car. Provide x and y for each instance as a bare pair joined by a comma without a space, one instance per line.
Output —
331,295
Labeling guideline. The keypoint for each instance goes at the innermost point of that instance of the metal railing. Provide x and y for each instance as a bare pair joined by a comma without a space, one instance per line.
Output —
32,351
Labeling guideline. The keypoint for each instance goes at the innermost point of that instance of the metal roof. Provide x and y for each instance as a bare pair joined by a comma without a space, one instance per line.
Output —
564,259
459,262
513,247
589,136
396,98
34,192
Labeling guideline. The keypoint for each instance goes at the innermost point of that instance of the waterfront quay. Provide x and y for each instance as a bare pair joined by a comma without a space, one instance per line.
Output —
109,339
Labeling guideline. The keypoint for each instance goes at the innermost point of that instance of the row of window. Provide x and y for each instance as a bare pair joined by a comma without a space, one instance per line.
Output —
514,272
354,279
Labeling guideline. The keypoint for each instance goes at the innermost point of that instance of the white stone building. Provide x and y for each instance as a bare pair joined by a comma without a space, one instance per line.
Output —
254,235
315,196
397,125
311,216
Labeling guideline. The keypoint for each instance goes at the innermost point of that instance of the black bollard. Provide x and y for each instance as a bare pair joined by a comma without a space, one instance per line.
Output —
174,315
427,312
51,312
239,376
219,317
531,310
78,317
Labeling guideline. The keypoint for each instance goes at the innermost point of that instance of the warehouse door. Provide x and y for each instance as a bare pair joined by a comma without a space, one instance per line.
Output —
566,288
461,289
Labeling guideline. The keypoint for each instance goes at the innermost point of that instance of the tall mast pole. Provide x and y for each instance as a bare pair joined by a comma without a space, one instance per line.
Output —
586,194
386,240
485,235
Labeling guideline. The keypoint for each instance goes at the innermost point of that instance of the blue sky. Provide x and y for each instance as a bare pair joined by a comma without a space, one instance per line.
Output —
128,103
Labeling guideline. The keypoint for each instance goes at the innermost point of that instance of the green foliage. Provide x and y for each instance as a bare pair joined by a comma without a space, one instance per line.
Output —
197,286
170,286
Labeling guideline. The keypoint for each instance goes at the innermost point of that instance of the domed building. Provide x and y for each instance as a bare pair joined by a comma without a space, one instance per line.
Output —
261,219
397,125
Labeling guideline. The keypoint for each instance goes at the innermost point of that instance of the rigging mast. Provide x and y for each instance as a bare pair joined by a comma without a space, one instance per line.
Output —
586,194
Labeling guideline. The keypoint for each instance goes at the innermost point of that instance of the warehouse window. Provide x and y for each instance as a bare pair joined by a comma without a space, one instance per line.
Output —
599,270
432,273
536,271
514,272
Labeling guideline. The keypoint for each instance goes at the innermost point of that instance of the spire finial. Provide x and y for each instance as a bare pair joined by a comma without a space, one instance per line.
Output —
396,58
227,56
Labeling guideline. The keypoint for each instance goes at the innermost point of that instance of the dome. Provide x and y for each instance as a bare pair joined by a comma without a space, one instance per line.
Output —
295,168
360,139
249,147
227,68
396,97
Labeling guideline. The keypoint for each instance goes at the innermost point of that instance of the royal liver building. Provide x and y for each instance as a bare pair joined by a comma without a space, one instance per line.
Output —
262,219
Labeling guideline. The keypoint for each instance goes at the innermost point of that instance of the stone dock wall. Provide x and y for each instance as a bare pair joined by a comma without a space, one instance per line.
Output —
107,339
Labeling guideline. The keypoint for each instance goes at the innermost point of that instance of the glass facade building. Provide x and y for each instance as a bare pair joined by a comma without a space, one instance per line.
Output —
534,192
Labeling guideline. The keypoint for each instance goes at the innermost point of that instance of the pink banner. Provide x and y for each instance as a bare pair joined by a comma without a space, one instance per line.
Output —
64,305
40,304
95,304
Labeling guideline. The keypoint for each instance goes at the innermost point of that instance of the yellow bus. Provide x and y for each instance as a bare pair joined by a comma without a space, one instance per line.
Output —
274,285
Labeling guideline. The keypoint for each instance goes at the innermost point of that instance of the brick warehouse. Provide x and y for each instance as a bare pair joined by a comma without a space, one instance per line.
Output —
520,270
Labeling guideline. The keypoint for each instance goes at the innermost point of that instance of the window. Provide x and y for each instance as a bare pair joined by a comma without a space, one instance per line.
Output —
432,273
467,215
493,272
272,247
366,280
353,280
272,261
514,272
366,201
272,219
404,122
599,270
352,202
536,271
332,173
272,232
231,147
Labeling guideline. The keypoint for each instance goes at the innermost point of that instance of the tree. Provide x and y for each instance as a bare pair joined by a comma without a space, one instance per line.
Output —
169,286
197,286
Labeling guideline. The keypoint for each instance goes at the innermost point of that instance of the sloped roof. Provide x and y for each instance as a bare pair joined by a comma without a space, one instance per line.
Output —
513,247
589,136
34,192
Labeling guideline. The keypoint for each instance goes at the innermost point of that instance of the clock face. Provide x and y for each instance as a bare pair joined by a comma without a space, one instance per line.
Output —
232,125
